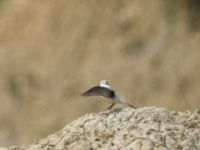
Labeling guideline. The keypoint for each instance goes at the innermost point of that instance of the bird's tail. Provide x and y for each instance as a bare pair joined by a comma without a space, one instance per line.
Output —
120,99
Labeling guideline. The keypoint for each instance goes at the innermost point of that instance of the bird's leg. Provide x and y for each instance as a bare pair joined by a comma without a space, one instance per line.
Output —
111,106
131,106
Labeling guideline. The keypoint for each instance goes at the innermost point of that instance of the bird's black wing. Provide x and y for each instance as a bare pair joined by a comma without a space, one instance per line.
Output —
99,91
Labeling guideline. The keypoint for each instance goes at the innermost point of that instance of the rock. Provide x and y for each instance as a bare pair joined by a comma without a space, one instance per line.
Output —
135,129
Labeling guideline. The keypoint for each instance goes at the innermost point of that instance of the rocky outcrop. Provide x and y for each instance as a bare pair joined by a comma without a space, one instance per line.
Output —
144,128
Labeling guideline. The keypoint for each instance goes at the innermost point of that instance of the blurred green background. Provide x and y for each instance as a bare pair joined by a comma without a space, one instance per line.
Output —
51,51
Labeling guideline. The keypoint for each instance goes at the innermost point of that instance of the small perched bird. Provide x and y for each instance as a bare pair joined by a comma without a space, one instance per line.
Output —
105,90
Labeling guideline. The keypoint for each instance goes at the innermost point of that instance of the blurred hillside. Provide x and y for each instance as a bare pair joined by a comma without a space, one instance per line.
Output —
51,51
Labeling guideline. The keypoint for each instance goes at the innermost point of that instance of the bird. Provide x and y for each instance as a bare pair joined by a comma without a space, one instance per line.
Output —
105,90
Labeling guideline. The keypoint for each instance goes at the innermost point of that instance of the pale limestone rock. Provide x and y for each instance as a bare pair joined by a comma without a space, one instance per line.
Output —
148,128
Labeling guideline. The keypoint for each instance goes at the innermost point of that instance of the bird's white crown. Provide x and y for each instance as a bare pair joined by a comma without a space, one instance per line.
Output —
104,83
